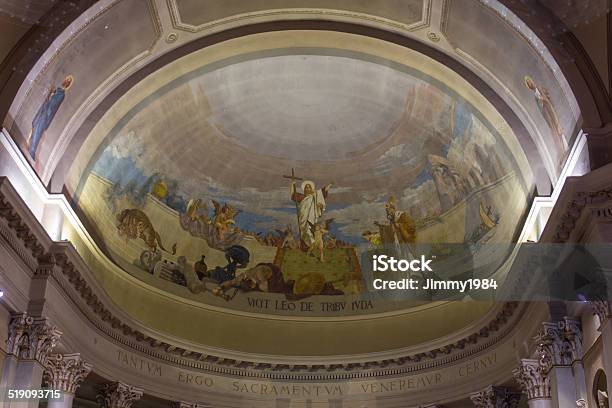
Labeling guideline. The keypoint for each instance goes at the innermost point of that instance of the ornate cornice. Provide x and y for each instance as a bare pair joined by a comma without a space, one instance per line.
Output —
66,265
574,209
65,372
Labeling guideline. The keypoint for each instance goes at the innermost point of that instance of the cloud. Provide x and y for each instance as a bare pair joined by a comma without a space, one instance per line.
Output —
128,145
399,155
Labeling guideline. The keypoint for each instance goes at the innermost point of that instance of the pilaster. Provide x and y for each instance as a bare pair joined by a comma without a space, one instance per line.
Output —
29,344
559,350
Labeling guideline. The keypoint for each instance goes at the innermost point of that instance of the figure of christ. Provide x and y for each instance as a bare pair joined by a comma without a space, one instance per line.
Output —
310,207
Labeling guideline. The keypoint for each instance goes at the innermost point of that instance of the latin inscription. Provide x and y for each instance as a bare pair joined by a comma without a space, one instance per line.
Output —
200,380
401,385
140,364
287,390
477,365
309,307
474,367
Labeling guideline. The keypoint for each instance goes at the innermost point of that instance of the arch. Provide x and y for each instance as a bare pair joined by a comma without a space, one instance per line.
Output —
600,389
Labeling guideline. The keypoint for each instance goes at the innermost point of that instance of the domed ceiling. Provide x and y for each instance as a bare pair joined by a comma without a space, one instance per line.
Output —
191,188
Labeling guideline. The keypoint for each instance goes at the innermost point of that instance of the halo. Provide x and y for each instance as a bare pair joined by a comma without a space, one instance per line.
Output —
71,79
527,79
306,182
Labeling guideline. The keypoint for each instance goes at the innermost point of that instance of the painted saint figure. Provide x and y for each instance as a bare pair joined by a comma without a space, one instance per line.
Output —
548,111
401,230
46,113
310,207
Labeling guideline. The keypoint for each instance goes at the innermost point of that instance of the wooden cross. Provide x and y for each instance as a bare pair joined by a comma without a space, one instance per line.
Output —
292,177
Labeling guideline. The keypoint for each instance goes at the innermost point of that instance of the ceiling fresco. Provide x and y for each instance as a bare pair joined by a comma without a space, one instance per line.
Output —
277,176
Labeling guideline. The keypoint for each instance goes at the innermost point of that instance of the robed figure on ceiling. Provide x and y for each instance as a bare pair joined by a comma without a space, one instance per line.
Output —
549,113
310,207
46,113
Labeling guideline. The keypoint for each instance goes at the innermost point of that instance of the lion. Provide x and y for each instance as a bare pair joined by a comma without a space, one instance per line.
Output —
134,223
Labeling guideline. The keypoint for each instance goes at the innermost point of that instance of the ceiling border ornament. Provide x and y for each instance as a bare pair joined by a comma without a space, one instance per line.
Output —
178,24
67,272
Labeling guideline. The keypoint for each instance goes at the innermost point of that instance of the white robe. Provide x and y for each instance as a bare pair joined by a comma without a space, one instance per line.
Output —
310,210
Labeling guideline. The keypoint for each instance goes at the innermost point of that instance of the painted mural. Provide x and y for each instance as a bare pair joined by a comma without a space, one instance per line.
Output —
282,185
45,114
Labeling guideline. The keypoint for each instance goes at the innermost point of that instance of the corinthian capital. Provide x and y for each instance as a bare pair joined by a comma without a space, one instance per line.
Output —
573,334
495,397
118,395
65,372
532,379
553,348
31,338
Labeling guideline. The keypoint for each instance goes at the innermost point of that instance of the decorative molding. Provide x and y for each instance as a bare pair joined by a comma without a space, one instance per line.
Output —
68,275
532,379
118,395
178,24
574,210
496,397
65,372
31,338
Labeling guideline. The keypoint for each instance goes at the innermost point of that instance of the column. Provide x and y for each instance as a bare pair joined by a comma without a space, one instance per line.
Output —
559,348
118,395
29,345
65,372
534,383
573,333
496,397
